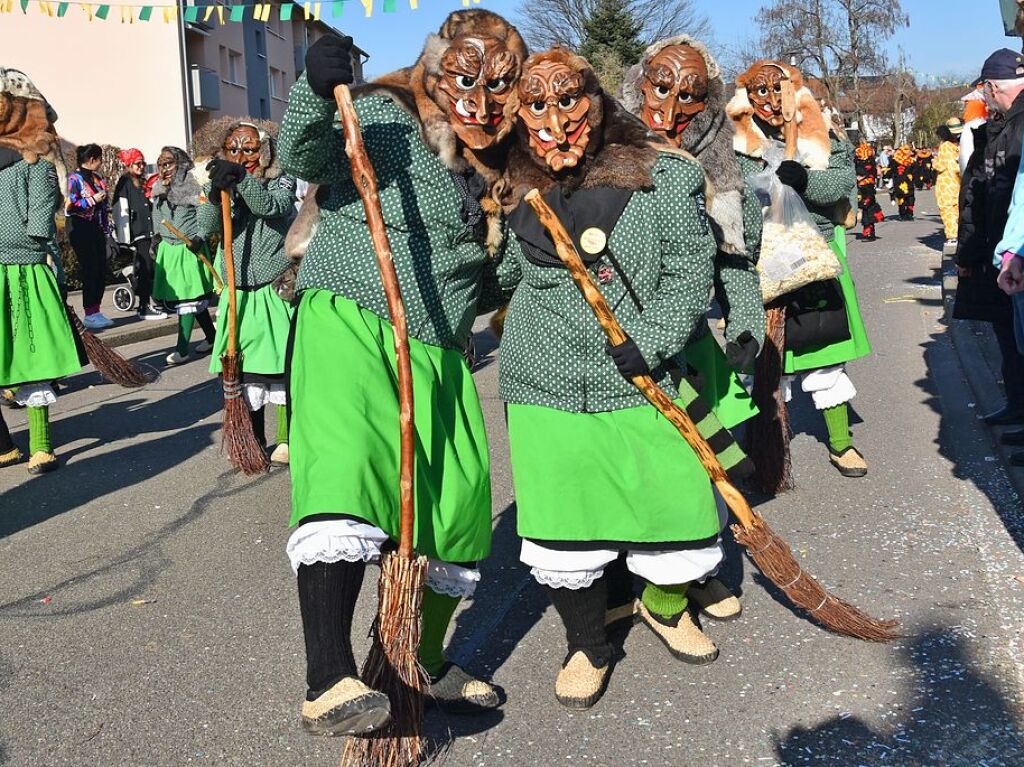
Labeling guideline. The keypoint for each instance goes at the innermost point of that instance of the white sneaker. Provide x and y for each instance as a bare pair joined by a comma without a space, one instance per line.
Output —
280,454
176,359
97,321
203,347
150,313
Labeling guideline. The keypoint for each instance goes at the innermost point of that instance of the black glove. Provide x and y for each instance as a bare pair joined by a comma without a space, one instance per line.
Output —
627,359
198,245
329,64
742,352
224,175
793,174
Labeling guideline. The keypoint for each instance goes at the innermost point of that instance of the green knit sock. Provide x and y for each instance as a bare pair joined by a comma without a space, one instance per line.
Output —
438,610
665,601
282,425
837,419
39,430
185,324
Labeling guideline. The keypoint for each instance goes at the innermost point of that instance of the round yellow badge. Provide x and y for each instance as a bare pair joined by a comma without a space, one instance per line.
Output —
593,240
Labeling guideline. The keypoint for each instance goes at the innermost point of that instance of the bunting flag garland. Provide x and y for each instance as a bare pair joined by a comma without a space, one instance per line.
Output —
206,12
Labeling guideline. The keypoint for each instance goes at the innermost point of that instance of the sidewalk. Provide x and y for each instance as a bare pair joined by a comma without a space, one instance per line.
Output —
127,328
980,360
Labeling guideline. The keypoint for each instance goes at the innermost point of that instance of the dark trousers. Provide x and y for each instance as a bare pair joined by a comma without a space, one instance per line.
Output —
144,268
1013,363
90,246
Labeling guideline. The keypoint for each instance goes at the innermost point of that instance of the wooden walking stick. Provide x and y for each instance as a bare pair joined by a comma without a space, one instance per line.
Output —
238,439
770,553
392,666
188,244
769,433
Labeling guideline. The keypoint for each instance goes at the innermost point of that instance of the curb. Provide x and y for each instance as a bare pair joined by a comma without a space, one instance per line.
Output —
980,378
137,332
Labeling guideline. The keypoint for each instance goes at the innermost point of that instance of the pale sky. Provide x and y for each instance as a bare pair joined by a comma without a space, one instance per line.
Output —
943,39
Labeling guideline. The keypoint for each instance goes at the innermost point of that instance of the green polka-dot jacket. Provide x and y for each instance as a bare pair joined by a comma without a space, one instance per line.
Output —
440,260
259,226
553,349
185,219
29,198
825,188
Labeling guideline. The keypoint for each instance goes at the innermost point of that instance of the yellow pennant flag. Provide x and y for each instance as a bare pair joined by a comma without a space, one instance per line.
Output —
220,14
309,13
170,13
316,11
414,4
88,10
368,6
209,12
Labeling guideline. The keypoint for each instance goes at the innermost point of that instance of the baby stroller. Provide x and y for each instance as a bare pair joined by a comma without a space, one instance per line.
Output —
125,296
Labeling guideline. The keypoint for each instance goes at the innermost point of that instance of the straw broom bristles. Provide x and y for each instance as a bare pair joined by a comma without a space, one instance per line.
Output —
237,438
770,553
107,362
769,433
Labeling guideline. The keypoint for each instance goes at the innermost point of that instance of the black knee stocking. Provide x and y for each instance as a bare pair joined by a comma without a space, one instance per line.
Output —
582,613
6,444
259,425
327,600
206,323
620,583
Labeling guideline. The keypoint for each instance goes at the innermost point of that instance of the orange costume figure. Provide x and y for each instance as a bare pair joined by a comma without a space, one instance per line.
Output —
866,165
903,162
947,183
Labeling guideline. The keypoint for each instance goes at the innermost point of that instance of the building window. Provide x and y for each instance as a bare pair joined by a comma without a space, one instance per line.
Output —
261,45
231,66
275,83
264,110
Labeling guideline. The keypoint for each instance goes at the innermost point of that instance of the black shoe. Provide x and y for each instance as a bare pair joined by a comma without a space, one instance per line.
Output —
1005,416
1017,459
1013,438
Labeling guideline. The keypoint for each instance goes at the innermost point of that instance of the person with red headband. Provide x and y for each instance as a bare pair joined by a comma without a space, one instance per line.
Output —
133,227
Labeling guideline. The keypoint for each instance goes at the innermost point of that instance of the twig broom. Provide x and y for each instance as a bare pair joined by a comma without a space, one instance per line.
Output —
769,434
108,363
770,553
392,666
238,440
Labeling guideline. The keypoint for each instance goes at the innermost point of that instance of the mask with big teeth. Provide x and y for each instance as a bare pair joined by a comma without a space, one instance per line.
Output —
764,89
242,146
675,90
554,109
478,75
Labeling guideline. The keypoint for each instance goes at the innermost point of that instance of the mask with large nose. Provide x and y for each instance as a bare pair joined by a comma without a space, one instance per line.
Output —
675,90
554,108
764,89
478,77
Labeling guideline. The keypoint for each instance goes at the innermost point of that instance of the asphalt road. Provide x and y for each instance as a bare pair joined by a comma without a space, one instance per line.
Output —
148,614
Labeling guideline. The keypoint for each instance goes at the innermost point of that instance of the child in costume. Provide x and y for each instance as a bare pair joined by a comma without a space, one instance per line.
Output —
36,341
947,183
824,178
597,471
871,213
903,179
262,208
435,134
180,279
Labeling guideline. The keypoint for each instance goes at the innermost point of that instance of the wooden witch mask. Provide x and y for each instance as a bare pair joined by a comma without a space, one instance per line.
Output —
675,90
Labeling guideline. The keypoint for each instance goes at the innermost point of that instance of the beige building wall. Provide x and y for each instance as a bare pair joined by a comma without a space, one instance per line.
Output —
133,97
214,50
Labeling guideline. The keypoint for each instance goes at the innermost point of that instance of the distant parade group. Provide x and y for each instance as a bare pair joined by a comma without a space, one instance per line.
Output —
675,190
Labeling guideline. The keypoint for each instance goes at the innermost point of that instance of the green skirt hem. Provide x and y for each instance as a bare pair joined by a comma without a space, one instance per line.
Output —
264,322
179,275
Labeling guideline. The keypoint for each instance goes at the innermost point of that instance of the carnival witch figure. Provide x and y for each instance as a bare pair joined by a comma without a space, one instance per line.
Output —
823,176
677,90
37,346
180,279
262,207
436,135
638,215
866,168
904,175
947,179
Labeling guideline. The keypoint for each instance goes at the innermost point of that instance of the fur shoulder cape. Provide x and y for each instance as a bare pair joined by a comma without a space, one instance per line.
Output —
813,141
709,138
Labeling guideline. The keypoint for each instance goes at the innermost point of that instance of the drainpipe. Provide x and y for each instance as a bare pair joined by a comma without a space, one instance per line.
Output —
186,75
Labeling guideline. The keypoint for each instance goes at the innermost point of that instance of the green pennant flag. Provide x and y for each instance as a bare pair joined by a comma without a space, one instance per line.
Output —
145,12
337,8
191,14
389,6
102,11
237,13
62,8
24,6
286,11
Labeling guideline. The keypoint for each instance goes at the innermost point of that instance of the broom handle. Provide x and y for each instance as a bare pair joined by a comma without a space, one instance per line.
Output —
616,335
188,244
366,184
229,271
